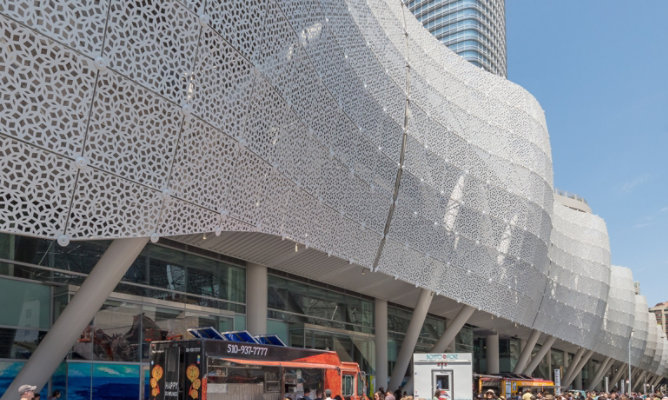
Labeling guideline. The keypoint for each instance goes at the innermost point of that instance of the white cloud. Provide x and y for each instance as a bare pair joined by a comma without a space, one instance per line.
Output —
641,225
628,186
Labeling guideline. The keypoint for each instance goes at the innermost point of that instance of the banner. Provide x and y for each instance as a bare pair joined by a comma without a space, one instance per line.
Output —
557,381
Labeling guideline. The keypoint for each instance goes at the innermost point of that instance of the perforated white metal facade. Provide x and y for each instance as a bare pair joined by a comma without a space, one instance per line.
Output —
575,298
342,126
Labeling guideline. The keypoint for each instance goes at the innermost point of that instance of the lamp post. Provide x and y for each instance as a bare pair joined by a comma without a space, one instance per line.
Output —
630,337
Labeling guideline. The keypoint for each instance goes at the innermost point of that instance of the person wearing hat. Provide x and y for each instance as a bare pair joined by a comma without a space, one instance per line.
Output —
490,394
27,391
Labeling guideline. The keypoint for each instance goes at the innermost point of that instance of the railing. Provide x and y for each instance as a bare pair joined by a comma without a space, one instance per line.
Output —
570,195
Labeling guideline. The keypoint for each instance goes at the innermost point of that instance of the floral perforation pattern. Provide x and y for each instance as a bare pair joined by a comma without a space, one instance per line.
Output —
45,90
76,24
153,43
34,189
132,131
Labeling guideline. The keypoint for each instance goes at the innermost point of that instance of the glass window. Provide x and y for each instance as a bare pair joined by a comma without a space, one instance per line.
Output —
305,303
348,381
19,343
172,274
25,304
398,320
464,340
118,332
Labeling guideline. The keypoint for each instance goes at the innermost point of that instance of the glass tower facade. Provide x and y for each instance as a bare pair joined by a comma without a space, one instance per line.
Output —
474,29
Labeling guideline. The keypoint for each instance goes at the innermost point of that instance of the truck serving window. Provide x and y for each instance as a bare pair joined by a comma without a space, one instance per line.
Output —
443,382
347,389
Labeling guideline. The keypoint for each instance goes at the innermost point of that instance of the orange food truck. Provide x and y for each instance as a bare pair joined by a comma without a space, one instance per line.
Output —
238,366
512,386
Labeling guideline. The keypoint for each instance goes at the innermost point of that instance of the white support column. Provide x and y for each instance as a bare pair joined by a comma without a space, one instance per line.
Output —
608,374
618,376
256,299
578,368
550,370
657,380
492,342
446,343
526,352
572,365
653,381
408,345
635,373
547,346
602,370
101,281
452,329
577,382
380,323
637,385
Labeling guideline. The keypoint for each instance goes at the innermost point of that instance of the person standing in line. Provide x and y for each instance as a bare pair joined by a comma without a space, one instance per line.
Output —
27,392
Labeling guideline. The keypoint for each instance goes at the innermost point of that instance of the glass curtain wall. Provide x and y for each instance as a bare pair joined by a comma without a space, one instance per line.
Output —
315,316
165,292
557,362
543,369
509,354
398,319
464,340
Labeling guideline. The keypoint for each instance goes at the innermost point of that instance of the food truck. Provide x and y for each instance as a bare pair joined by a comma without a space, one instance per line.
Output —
447,376
239,366
512,385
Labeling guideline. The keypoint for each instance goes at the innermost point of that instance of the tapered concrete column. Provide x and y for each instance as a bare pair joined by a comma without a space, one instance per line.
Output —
618,376
526,352
492,342
657,380
408,345
446,343
602,370
452,329
635,373
578,368
637,386
577,382
77,315
608,374
547,346
256,299
380,323
572,365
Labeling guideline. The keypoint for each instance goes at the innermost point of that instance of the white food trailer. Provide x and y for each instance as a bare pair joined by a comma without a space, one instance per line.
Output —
449,374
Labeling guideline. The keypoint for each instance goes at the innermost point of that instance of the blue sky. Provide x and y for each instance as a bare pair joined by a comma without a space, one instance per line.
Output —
599,68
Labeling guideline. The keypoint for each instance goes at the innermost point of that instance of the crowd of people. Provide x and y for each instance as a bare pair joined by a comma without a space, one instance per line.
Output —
382,394
578,395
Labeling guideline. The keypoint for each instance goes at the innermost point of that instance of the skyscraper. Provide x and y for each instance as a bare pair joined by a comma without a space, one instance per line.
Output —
474,29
